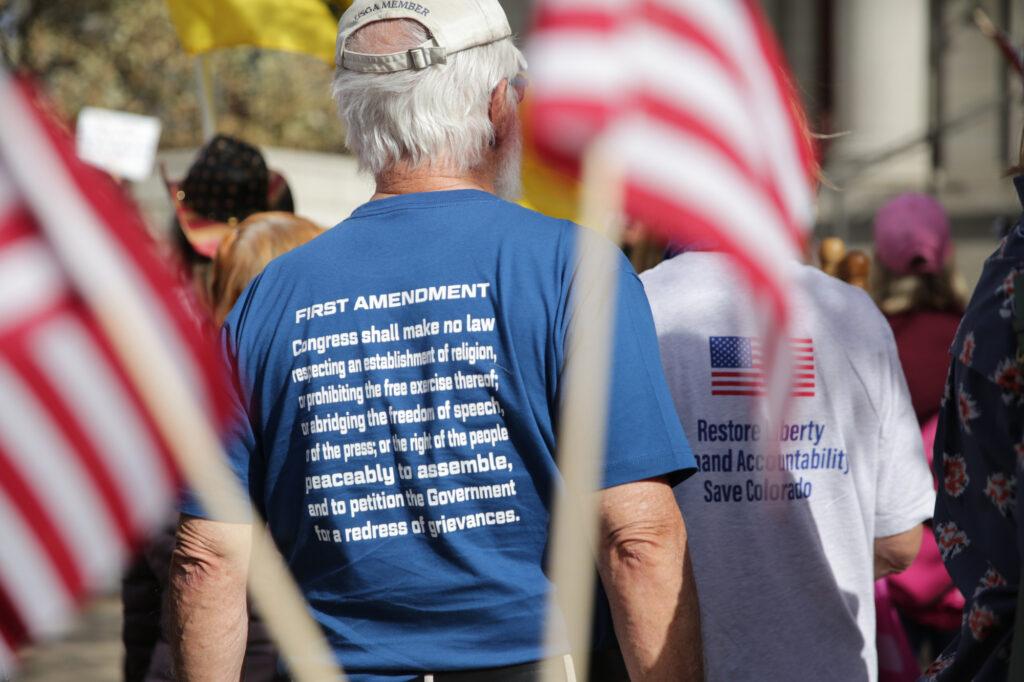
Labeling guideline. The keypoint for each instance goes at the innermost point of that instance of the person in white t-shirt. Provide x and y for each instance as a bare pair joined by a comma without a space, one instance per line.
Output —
790,530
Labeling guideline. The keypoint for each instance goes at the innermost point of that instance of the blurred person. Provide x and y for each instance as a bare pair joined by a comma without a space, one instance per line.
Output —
788,531
917,288
241,255
246,251
855,269
227,182
399,384
978,461
831,252
643,249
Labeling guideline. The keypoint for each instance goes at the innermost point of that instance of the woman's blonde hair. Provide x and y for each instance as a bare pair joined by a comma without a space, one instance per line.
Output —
943,292
244,253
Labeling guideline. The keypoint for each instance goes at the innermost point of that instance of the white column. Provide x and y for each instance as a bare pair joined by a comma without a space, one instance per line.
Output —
881,86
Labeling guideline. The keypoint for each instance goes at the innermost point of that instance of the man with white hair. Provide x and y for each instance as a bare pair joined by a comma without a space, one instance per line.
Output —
399,381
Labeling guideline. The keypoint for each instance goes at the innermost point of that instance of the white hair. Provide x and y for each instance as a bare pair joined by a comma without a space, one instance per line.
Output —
435,117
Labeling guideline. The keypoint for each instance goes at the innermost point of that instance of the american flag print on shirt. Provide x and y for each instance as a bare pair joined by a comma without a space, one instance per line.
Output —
737,367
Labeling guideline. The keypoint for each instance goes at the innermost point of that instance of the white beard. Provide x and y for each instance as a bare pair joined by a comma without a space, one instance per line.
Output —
509,183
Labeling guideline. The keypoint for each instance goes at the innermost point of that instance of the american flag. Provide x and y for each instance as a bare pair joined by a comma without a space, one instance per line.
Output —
737,367
691,99
84,473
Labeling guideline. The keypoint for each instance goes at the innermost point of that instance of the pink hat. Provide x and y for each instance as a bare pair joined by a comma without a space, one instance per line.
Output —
912,235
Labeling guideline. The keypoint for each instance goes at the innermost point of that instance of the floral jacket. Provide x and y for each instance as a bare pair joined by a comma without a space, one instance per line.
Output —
979,455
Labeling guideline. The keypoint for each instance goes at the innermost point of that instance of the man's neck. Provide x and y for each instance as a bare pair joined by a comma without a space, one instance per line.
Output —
412,181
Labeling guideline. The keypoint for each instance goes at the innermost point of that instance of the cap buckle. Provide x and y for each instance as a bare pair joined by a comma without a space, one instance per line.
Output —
424,56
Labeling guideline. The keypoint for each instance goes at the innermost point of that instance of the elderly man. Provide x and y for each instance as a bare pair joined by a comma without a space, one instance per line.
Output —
399,381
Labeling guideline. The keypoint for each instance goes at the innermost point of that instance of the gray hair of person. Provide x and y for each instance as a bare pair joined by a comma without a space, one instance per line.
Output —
437,117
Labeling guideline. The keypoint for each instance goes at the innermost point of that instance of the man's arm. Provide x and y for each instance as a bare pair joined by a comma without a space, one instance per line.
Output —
895,553
646,572
208,619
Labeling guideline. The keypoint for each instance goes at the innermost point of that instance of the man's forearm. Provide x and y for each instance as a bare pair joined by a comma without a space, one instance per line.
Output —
649,579
208,619
896,553
656,614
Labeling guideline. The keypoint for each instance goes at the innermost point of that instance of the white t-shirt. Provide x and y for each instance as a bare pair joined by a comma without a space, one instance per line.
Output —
781,532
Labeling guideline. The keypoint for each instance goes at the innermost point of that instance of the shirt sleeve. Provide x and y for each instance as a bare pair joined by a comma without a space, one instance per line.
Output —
906,495
238,436
644,438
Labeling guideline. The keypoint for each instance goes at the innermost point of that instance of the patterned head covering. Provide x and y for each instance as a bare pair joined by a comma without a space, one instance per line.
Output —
228,182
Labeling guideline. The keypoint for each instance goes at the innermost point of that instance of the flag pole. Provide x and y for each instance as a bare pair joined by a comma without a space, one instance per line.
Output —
204,95
93,263
582,428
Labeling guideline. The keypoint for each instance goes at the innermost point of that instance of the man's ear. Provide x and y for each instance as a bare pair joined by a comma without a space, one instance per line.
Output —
501,112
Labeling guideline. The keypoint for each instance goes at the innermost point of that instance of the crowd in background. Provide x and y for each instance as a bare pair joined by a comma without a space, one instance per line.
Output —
911,276
871,537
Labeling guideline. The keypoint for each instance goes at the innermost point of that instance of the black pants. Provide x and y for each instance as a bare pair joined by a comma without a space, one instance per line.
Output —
525,672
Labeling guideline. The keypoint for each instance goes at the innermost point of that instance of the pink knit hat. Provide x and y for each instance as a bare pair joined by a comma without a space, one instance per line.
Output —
912,235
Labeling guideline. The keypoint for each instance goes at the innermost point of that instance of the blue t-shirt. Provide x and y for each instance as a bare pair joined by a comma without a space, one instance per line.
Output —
399,383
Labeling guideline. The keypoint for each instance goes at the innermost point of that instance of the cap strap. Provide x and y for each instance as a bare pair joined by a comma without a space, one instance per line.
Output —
416,59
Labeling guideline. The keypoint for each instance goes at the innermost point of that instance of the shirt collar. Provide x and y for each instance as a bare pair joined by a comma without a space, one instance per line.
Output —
422,199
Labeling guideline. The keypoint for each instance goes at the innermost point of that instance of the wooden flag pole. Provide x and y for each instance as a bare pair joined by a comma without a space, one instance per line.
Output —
582,428
204,94
110,290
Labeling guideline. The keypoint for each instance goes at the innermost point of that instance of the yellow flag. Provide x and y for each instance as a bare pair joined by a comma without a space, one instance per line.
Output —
305,26
546,189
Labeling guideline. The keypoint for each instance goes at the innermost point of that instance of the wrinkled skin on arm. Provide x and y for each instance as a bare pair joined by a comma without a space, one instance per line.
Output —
895,553
207,615
646,571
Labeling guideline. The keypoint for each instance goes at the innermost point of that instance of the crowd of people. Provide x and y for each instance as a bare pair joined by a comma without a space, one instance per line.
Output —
397,387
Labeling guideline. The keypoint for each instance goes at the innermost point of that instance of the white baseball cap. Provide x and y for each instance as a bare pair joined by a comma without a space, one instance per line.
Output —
455,25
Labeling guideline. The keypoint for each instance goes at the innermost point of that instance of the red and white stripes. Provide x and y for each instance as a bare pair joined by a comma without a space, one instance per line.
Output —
84,474
691,98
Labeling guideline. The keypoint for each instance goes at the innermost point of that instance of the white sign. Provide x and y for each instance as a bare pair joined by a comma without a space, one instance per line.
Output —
119,143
